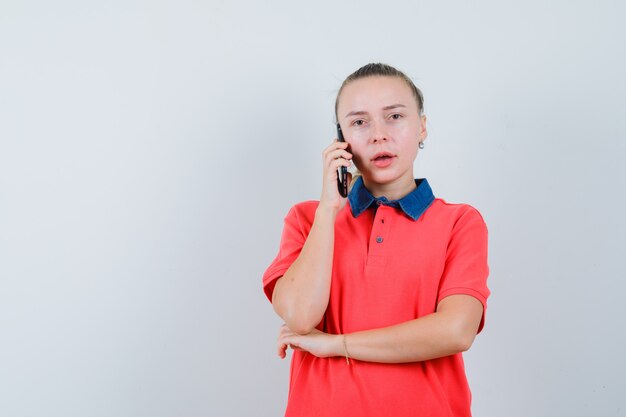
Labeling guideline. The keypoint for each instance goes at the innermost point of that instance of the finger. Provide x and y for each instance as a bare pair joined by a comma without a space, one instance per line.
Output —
334,146
284,330
338,157
282,350
335,164
335,143
284,339
290,341
338,153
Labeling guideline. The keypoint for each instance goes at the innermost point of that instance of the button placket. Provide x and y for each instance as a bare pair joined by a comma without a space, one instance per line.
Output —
380,228
376,253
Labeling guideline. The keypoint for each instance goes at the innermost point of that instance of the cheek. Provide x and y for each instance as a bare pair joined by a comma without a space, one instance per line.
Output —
409,139
411,150
408,131
357,154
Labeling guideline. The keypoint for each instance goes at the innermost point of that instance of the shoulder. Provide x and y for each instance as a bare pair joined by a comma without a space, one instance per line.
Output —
303,212
304,208
454,212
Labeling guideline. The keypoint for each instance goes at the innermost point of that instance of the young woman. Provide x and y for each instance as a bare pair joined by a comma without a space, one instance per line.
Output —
381,291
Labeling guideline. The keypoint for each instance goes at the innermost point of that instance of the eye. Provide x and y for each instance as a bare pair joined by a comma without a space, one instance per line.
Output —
358,122
396,116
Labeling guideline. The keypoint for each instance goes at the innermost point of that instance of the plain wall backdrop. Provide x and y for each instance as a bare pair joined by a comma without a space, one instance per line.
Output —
149,152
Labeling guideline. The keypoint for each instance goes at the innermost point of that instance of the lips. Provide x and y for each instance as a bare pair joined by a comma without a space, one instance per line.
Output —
383,159
382,156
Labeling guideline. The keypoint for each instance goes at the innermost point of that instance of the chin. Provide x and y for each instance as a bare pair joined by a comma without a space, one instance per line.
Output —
383,177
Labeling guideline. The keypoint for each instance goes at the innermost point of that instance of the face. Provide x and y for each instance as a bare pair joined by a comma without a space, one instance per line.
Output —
380,120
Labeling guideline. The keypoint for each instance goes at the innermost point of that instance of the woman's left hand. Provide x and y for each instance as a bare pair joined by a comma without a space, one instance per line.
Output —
320,344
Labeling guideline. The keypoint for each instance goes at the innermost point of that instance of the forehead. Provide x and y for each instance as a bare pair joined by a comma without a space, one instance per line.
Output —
374,93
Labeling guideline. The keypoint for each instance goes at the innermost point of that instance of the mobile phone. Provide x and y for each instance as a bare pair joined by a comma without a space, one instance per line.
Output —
342,172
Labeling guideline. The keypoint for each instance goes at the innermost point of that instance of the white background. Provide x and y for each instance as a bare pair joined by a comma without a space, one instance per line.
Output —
150,150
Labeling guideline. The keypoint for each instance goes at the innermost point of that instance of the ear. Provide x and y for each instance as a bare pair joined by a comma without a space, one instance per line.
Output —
423,130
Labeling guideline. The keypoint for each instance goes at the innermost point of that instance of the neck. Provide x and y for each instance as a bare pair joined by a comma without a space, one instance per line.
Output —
394,190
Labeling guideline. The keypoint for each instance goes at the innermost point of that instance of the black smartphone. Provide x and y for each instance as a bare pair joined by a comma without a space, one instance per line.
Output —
342,172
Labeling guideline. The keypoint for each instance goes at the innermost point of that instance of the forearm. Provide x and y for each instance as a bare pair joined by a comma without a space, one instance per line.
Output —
452,329
416,340
301,295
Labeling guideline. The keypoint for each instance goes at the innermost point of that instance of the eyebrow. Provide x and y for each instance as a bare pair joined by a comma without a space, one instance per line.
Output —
362,112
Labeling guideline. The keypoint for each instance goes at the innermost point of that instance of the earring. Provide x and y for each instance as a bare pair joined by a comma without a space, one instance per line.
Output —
421,145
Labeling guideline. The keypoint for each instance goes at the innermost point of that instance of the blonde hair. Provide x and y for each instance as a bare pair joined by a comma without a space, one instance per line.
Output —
378,70
353,180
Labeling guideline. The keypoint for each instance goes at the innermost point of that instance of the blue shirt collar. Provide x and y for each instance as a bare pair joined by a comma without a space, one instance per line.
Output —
413,204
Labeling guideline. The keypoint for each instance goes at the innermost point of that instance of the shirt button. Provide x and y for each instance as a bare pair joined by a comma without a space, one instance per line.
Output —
379,239
379,202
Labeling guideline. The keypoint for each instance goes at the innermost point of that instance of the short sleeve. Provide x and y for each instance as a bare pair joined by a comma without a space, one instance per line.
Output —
466,268
291,243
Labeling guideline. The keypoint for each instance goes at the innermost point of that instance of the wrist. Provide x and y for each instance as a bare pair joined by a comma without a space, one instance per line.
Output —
344,345
338,346
326,212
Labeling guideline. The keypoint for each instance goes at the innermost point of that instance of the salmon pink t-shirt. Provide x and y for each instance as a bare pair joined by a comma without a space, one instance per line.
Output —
393,262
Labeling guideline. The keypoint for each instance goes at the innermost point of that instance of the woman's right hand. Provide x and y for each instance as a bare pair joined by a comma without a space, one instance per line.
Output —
334,156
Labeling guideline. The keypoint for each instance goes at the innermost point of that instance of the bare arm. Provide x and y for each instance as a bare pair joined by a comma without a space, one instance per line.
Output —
451,329
301,295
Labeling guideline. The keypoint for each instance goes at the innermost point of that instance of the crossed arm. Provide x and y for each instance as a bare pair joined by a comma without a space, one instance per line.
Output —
449,330
301,297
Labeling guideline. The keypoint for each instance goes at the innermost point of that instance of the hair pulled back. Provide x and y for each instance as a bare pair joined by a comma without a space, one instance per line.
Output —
381,70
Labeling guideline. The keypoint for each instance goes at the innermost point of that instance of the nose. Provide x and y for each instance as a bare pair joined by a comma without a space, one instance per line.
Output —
378,133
